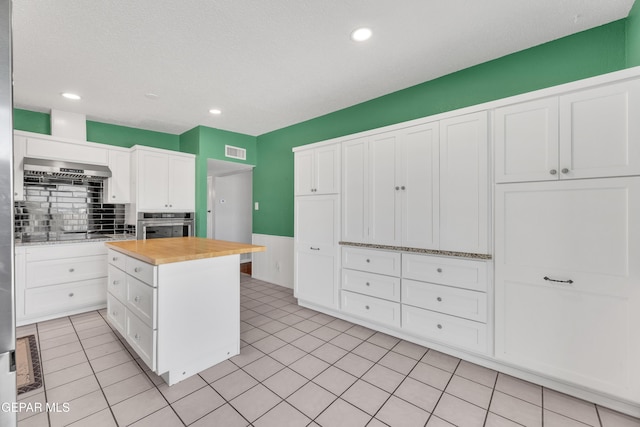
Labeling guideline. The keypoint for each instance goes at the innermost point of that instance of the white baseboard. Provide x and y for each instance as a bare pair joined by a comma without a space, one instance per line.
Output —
275,265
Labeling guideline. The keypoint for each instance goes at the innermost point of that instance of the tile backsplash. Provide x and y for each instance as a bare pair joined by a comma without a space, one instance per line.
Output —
64,208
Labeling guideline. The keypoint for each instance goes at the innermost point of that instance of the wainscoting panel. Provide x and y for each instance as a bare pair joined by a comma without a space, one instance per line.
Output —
276,264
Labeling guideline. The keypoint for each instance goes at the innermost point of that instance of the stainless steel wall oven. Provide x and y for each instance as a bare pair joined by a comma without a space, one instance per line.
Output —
156,225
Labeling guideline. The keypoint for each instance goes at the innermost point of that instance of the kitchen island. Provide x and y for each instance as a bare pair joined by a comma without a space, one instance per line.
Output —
176,301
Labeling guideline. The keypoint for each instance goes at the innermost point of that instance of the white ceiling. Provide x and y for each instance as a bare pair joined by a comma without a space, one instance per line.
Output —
265,64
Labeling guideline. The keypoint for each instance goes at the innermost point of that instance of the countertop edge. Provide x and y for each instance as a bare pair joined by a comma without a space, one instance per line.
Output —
419,251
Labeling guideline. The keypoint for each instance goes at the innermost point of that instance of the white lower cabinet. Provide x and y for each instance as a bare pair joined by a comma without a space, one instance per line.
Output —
59,280
370,308
180,318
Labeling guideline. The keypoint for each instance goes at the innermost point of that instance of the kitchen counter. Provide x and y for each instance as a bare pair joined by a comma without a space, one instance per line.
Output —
178,249
102,238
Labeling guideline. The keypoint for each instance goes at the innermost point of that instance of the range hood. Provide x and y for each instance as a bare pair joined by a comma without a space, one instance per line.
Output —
62,169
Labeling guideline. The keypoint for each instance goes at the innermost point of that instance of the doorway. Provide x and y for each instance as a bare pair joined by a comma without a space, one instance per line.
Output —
230,204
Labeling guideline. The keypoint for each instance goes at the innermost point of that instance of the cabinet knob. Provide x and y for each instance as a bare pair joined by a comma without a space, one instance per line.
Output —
115,313
439,299
368,284
565,170
137,298
70,294
403,188
116,282
166,206
439,270
71,270
113,197
553,171
115,258
367,307
15,194
439,326
368,260
136,337
397,188
137,270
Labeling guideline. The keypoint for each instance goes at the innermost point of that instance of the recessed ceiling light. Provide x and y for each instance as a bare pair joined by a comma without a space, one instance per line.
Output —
361,34
215,111
70,95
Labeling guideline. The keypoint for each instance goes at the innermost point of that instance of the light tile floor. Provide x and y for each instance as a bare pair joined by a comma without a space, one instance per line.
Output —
297,367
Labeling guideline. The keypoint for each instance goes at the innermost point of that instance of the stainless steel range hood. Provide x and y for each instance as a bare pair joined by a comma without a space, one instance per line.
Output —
62,169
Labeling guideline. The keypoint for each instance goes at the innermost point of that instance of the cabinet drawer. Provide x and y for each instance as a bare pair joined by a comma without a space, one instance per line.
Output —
52,272
66,297
462,273
373,309
371,261
451,330
141,270
375,285
142,338
116,313
116,258
117,283
445,299
141,300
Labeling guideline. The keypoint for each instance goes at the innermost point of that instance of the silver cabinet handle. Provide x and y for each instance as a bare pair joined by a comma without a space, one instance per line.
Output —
71,270
71,295
137,298
170,206
564,170
397,188
113,197
115,258
439,326
116,282
368,284
368,260
367,307
569,281
137,269
439,299
314,249
553,171
403,188
115,313
136,337
439,270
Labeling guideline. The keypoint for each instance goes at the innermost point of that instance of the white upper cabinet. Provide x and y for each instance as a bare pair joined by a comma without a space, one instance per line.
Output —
464,184
49,147
390,188
317,171
165,181
588,133
19,145
118,187
526,141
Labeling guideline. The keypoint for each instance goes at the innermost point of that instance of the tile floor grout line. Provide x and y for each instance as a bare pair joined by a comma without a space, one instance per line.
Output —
44,384
493,390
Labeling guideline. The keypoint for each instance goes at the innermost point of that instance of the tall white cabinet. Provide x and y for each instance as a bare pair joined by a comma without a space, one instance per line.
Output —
316,227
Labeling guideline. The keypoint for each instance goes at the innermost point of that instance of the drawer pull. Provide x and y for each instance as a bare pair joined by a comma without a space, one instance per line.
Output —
367,307
137,269
368,284
115,258
439,270
565,170
368,260
137,298
314,249
115,313
557,281
136,337
439,326
71,270
439,299
116,282
70,294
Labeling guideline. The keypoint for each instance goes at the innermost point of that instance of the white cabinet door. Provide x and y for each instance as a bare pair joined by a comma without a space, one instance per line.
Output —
418,176
600,132
153,181
303,165
355,213
19,146
119,185
384,190
327,169
526,141
566,277
182,179
464,216
316,249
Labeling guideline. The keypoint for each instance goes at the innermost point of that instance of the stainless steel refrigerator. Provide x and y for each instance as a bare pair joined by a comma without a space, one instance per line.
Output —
7,316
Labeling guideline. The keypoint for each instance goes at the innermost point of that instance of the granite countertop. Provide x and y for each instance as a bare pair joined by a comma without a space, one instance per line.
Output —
106,238
418,251
177,249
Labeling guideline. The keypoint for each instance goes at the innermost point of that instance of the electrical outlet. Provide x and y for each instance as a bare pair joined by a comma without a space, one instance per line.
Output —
256,206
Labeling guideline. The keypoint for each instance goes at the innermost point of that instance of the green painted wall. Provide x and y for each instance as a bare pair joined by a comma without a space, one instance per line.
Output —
31,121
208,143
633,36
589,53
124,136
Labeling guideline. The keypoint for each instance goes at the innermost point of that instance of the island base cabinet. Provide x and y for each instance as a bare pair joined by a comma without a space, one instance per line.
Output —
198,315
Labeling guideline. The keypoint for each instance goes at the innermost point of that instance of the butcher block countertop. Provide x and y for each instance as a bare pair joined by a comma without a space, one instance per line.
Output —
177,249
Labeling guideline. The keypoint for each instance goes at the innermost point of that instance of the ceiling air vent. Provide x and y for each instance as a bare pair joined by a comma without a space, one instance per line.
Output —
235,152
